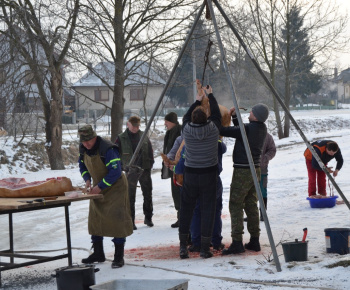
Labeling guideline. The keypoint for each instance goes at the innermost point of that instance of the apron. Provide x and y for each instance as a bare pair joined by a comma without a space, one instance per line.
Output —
110,216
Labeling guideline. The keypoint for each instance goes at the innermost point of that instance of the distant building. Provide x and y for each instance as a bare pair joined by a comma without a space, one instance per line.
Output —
343,85
95,88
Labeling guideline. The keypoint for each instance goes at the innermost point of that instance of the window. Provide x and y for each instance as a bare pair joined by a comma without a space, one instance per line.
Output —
2,77
136,95
101,95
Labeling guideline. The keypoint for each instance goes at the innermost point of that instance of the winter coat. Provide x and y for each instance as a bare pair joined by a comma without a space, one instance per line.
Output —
320,148
201,139
127,142
268,152
256,133
169,140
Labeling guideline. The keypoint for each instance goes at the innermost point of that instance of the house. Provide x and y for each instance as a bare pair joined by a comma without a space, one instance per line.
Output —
20,102
343,85
94,91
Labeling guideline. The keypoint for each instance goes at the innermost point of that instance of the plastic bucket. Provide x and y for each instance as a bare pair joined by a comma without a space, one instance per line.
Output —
295,251
338,240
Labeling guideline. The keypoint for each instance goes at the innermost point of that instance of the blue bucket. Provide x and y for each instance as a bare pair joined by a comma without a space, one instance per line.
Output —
338,240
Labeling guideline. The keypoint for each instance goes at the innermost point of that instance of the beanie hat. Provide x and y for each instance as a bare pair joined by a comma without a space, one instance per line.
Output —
261,112
86,133
135,121
171,117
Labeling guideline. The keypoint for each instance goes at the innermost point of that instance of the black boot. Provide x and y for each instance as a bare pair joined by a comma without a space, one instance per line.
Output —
253,244
97,256
235,248
183,246
118,261
175,224
205,247
148,222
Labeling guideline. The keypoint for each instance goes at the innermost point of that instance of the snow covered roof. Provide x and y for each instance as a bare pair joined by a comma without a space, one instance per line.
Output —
137,73
344,76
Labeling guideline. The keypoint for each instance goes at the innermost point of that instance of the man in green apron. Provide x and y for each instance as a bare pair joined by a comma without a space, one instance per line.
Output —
110,216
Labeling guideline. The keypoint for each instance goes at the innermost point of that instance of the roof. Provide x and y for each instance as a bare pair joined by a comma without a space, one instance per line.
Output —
344,76
137,75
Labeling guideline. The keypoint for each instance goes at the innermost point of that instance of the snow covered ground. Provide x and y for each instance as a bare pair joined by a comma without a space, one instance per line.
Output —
152,253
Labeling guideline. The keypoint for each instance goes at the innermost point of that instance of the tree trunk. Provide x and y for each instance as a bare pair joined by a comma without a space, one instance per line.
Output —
54,123
117,111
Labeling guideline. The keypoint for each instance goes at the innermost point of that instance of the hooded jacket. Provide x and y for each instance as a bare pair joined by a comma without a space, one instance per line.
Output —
201,139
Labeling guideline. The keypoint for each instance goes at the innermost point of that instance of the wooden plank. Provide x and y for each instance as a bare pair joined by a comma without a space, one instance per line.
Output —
16,203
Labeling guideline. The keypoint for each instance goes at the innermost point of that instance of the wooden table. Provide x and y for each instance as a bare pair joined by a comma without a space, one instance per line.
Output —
15,205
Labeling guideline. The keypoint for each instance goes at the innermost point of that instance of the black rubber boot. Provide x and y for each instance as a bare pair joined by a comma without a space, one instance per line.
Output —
175,224
183,246
194,248
97,256
118,261
253,244
235,248
205,247
148,222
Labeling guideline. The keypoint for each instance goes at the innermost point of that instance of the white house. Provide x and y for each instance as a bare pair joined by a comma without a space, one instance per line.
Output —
141,83
343,85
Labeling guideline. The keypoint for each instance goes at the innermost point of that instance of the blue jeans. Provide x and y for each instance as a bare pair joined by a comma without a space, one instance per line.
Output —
196,220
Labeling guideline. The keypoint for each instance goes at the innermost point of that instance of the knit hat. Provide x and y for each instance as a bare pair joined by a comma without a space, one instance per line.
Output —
135,121
86,133
261,112
171,117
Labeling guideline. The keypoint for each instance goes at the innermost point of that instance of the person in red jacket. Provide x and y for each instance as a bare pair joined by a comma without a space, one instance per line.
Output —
326,150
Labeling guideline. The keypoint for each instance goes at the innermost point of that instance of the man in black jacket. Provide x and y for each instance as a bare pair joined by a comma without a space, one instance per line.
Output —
173,131
201,135
242,193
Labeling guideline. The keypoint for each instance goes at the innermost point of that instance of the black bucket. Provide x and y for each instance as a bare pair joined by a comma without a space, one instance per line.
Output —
338,240
295,251
76,277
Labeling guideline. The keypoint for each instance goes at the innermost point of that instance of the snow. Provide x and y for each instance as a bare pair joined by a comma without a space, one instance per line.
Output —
288,213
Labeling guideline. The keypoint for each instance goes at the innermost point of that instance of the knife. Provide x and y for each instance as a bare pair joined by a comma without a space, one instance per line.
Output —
31,201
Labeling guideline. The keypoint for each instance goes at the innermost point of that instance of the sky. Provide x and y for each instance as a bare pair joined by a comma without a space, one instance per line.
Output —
152,253
345,57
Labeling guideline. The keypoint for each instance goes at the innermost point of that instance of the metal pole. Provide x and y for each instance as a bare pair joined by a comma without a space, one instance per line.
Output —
133,158
286,110
194,71
244,136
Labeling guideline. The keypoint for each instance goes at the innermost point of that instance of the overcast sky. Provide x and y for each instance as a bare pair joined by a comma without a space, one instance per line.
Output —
345,57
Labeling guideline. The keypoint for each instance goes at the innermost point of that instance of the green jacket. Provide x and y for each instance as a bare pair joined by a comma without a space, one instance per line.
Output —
145,158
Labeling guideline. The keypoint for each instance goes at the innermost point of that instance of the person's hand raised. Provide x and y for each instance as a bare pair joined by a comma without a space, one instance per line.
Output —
208,89
233,111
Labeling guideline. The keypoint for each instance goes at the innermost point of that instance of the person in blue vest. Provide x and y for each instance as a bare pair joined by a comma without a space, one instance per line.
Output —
110,216
141,172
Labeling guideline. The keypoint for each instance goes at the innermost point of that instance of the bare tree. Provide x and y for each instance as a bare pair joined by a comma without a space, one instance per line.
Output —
42,31
122,32
261,31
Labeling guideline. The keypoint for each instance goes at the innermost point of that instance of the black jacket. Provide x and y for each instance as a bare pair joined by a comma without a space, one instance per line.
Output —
256,134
